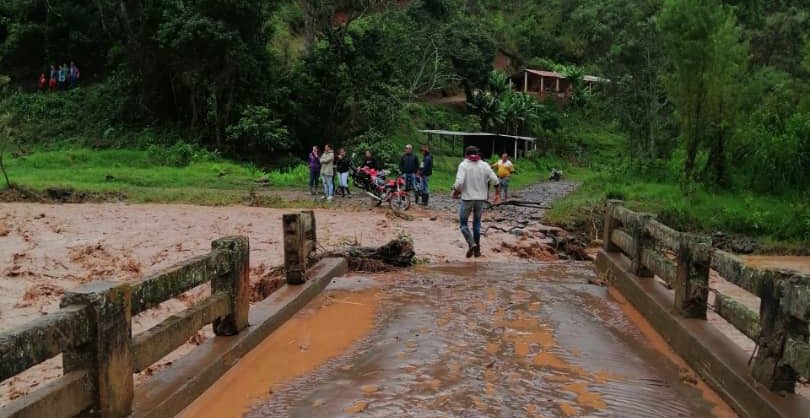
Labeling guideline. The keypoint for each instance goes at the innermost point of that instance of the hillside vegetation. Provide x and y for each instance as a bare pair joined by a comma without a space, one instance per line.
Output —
706,119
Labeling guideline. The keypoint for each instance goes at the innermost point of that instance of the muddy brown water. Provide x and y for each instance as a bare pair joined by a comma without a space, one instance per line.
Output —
494,340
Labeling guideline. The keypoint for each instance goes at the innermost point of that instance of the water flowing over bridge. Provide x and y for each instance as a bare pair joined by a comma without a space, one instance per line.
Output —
536,339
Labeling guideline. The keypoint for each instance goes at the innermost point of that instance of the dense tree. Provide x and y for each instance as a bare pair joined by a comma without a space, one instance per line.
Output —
702,41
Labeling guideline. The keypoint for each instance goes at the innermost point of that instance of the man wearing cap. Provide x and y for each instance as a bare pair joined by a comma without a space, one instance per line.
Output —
473,179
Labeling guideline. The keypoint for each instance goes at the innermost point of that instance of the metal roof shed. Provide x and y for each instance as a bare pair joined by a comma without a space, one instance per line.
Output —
489,143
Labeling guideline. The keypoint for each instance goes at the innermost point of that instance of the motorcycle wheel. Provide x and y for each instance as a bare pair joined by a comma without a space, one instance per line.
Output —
400,202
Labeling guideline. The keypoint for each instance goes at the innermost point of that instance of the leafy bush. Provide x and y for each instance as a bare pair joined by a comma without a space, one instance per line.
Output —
178,155
257,131
385,151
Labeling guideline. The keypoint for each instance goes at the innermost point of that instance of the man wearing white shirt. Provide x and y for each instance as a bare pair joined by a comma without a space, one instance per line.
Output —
473,179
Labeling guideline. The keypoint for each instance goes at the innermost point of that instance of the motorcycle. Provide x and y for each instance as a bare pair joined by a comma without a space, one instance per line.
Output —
373,183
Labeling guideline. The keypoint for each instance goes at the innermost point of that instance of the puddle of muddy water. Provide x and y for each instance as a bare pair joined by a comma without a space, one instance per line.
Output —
324,329
495,340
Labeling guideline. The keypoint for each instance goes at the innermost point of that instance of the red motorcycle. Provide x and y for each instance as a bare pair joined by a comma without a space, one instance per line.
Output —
374,184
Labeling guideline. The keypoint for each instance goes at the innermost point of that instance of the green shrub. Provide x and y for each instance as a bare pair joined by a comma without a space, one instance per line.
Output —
178,155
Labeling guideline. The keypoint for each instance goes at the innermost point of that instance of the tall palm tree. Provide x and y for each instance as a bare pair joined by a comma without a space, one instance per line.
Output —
520,110
499,83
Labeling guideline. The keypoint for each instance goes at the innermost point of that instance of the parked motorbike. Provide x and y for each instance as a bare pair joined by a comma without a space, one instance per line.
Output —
374,183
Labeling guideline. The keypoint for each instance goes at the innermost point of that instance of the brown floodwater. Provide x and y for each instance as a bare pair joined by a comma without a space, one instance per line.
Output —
327,327
782,262
489,340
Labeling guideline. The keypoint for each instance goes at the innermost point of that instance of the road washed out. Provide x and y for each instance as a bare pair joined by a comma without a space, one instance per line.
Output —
494,340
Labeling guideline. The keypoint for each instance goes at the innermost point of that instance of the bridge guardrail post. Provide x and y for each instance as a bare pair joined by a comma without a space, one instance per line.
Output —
236,284
692,278
610,224
108,356
777,326
295,262
640,241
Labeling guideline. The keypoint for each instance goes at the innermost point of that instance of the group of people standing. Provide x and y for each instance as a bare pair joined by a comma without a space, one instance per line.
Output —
473,179
60,78
323,166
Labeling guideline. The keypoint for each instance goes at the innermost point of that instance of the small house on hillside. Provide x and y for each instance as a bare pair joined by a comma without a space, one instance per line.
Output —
543,84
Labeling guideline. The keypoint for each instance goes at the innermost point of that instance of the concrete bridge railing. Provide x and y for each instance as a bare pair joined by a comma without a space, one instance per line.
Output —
93,332
637,246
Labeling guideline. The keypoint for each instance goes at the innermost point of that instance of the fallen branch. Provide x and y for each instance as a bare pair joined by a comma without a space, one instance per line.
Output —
522,203
395,254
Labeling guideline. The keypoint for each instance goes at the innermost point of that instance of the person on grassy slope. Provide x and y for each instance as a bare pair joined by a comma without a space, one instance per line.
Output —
472,185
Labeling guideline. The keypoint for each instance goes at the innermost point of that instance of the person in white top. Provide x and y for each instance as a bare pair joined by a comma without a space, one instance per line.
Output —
473,179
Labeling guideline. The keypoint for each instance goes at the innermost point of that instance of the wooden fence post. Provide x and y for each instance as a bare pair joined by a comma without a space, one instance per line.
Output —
639,242
295,262
107,357
236,284
692,278
777,325
610,225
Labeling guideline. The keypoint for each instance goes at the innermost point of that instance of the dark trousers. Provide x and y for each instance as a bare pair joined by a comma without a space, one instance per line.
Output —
314,178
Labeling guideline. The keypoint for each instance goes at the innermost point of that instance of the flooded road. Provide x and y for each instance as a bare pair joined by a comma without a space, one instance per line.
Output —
495,340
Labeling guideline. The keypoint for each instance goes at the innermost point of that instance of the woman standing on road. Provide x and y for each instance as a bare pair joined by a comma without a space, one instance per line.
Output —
314,169
342,165
328,172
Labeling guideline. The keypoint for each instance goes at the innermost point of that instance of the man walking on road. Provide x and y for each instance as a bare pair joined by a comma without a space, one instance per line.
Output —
408,165
472,185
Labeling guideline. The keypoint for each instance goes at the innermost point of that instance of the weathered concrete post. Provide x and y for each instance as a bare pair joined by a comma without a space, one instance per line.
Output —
639,242
777,325
692,278
107,357
310,232
610,225
236,284
295,262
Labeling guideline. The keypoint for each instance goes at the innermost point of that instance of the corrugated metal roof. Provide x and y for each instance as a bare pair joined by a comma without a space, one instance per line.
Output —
544,73
461,133
596,79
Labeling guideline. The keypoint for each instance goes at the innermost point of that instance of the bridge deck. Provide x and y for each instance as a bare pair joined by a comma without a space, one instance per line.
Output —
496,340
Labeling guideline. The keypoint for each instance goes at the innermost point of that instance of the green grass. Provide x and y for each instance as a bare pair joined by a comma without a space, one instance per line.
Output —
131,172
780,223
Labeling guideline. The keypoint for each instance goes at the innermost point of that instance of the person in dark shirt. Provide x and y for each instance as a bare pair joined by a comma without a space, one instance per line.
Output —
426,171
342,166
314,160
370,161
408,165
